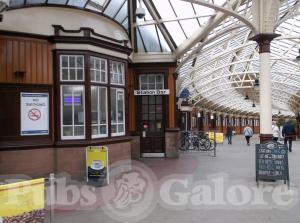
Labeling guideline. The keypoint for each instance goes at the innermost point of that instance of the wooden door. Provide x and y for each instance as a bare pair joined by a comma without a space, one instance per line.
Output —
152,125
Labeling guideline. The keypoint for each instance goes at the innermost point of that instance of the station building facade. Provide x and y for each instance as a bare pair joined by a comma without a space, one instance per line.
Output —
94,94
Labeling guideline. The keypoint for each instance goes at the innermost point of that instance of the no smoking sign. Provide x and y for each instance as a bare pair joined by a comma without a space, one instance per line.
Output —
34,114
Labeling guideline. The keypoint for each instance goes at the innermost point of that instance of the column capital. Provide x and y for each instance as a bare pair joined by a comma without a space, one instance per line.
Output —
264,41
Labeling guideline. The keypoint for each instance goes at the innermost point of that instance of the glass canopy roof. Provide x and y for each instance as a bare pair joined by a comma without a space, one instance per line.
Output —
115,9
210,41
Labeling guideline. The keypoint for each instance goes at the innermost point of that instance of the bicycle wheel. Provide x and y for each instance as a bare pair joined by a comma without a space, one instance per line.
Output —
182,143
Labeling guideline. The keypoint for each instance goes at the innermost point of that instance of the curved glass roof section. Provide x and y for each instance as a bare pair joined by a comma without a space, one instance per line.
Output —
220,70
115,9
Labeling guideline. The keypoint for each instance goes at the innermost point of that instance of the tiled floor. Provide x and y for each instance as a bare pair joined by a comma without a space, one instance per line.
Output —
236,161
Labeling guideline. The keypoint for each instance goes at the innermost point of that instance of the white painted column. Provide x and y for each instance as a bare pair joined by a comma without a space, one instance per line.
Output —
265,94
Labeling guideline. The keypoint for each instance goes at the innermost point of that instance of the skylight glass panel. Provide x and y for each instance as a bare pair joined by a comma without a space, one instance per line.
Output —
16,3
35,1
113,7
164,45
189,26
150,38
77,3
219,2
140,44
164,9
125,24
182,9
176,32
59,2
122,14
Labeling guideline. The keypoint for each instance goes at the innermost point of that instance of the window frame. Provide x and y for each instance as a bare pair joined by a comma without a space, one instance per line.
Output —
61,114
106,114
87,83
124,113
110,69
61,68
155,75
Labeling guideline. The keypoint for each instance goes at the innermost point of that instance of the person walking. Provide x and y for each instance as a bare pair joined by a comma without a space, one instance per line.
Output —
275,131
288,132
248,133
229,133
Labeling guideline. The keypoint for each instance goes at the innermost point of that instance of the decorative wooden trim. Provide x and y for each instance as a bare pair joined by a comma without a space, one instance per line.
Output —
22,145
155,65
87,33
24,35
94,142
91,41
75,40
45,144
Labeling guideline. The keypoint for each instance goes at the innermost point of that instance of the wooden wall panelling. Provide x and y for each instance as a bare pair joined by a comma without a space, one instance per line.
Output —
33,56
171,86
131,102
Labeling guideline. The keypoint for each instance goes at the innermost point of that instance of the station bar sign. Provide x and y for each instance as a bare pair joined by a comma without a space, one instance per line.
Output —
152,92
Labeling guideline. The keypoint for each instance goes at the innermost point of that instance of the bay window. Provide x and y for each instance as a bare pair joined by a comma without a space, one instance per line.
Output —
87,101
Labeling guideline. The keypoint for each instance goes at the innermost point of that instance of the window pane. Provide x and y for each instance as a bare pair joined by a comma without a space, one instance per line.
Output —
144,99
67,105
117,74
78,106
72,67
120,98
79,130
80,74
145,108
64,62
103,129
113,128
67,131
99,111
113,106
103,106
73,121
151,81
94,104
158,99
95,130
72,61
65,75
117,111
98,70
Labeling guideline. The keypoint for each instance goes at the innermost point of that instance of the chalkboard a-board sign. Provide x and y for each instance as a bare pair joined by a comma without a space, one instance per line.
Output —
272,162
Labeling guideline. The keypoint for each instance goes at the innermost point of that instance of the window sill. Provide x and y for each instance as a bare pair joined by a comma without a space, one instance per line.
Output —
22,144
39,144
92,142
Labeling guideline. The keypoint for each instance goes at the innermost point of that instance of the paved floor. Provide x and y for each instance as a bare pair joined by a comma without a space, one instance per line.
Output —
236,161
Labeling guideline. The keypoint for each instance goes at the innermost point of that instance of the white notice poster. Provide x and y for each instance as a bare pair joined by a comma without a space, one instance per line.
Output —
34,114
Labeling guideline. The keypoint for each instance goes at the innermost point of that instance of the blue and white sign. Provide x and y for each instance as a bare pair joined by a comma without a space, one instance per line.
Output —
185,93
34,114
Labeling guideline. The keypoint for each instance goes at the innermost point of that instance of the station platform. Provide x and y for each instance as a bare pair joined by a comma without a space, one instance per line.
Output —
235,164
